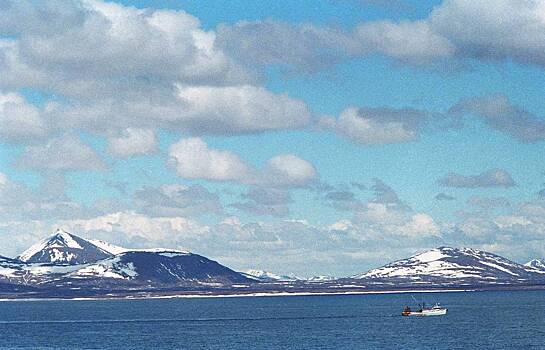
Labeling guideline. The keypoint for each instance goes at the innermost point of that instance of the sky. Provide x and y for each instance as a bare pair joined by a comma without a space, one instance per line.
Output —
307,137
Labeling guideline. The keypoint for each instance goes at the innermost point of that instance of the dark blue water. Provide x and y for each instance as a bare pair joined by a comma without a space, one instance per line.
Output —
480,320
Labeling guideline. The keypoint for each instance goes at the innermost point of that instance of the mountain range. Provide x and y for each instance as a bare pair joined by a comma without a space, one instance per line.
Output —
66,265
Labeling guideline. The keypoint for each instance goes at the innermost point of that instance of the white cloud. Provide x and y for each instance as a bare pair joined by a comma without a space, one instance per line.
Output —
233,109
193,159
507,221
19,119
133,142
113,67
371,126
304,47
503,29
288,170
421,224
406,41
377,221
60,154
455,29
108,40
138,228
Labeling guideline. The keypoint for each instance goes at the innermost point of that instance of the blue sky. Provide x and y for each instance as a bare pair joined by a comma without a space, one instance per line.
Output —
308,137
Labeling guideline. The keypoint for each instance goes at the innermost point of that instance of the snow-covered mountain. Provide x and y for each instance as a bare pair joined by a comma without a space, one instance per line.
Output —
538,264
65,258
64,248
160,266
265,276
321,278
447,265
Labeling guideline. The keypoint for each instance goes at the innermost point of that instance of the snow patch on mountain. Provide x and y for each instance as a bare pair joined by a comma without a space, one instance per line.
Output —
48,269
431,255
116,250
109,268
108,247
8,272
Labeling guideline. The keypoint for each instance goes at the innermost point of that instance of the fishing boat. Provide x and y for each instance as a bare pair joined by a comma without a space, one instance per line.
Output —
435,310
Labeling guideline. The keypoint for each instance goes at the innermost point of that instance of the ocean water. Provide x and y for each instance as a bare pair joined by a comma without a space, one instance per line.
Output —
475,320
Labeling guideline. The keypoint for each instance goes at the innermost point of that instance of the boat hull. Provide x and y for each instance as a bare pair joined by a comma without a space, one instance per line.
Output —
433,312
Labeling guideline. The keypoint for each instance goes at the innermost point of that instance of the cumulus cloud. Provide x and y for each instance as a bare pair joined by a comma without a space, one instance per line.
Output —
61,154
19,120
117,67
288,170
110,40
413,42
304,47
490,178
517,233
455,29
506,29
133,142
385,218
372,126
228,110
308,48
138,229
500,114
193,159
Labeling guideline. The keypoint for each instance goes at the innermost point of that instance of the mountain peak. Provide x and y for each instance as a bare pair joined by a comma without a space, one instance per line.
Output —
65,248
60,231
538,264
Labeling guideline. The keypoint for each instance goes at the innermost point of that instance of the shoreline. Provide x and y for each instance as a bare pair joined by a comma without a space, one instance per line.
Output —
195,294
240,295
